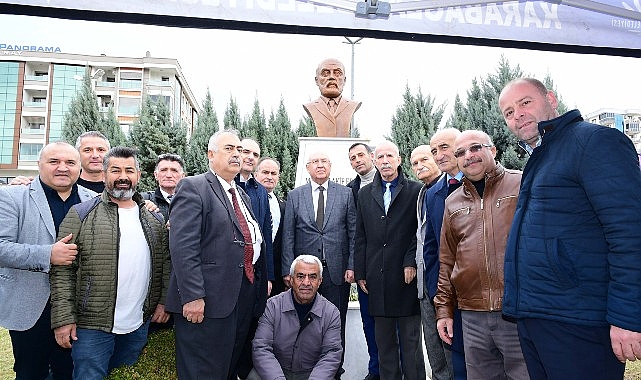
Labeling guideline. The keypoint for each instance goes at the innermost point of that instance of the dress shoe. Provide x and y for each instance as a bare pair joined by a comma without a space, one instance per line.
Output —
372,377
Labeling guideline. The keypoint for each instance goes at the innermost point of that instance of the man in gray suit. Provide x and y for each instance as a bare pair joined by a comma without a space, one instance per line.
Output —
320,220
31,216
219,274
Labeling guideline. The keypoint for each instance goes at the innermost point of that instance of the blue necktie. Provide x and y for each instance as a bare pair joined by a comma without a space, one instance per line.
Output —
387,196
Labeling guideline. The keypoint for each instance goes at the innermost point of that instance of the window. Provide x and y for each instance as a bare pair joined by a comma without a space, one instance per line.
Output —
29,151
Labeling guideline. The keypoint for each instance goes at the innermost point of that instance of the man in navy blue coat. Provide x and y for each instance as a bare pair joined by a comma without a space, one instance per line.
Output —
573,259
260,206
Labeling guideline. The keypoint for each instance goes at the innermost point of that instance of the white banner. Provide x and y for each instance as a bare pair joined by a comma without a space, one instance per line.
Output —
611,23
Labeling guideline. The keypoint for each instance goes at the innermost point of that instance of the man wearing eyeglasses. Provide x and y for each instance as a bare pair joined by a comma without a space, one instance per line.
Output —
320,219
169,171
219,275
475,227
299,335
260,206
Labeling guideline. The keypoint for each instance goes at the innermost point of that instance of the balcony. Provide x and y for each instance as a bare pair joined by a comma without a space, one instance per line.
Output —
106,84
37,78
33,130
130,84
158,83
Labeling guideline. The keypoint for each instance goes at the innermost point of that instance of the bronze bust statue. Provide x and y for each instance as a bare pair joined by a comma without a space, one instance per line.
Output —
331,112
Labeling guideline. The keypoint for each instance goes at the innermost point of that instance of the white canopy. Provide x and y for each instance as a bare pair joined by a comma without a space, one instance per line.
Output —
610,27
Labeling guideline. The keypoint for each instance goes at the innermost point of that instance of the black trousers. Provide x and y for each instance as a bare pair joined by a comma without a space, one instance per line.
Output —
211,349
339,296
36,352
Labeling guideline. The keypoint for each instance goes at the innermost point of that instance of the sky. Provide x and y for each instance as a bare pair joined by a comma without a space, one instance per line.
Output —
271,67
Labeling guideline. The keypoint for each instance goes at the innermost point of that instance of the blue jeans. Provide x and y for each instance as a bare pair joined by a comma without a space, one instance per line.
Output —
96,353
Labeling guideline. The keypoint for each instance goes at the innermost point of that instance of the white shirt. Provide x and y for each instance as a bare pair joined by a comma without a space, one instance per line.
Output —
134,272
274,208
254,229
315,193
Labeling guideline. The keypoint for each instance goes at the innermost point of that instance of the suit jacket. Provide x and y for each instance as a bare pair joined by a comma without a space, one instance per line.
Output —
27,234
278,286
207,260
328,125
302,236
160,201
385,245
427,263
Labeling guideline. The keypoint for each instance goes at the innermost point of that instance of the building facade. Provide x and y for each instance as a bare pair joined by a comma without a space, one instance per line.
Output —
37,87
626,121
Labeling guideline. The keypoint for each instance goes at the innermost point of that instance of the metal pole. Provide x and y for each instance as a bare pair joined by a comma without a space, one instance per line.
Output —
352,42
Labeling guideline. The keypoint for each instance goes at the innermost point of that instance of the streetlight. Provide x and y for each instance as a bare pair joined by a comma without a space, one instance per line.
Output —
353,42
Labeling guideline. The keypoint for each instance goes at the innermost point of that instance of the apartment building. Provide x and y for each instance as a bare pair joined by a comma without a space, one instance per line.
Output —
626,121
37,86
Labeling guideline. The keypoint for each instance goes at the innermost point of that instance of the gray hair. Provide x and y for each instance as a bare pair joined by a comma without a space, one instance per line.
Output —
91,134
213,140
307,259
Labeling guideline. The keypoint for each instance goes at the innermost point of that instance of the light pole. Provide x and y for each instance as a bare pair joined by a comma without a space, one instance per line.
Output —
353,42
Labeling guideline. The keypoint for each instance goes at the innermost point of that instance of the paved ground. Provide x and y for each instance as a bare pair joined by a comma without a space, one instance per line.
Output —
356,357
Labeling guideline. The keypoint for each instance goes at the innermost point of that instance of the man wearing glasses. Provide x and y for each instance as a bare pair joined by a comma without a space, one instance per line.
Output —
298,336
320,219
476,223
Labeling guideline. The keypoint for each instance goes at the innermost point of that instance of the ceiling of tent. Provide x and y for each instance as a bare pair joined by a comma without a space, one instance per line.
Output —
611,27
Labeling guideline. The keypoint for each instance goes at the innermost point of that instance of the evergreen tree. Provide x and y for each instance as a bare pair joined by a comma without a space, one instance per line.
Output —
231,120
306,127
415,120
83,114
149,137
112,129
481,111
177,137
281,143
549,84
255,125
196,161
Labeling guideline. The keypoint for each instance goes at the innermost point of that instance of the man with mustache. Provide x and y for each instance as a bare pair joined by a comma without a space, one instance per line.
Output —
331,112
572,273
103,301
31,217
319,219
476,223
219,275
385,264
433,202
299,335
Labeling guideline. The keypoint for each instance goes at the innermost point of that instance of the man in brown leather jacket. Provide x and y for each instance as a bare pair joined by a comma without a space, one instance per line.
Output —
476,223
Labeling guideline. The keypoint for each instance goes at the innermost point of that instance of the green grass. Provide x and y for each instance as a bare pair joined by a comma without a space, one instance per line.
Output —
158,362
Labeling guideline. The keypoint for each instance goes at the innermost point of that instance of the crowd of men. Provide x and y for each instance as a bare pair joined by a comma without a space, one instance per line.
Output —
501,274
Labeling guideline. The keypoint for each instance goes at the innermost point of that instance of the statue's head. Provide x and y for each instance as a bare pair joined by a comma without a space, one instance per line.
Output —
330,78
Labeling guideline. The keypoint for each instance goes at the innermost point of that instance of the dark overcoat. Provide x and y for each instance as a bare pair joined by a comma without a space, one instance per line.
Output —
385,245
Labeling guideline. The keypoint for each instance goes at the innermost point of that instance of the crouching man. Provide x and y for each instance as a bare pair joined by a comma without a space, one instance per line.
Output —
299,335
103,302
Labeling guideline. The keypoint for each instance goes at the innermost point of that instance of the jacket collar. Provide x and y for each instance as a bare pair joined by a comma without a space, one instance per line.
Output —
549,126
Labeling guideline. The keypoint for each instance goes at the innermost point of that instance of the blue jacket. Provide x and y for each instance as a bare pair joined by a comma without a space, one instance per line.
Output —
260,206
574,250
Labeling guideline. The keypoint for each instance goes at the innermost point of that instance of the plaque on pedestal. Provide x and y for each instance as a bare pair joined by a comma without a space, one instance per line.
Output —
337,150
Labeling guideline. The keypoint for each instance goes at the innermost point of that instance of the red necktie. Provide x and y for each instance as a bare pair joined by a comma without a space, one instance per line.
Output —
247,238
453,181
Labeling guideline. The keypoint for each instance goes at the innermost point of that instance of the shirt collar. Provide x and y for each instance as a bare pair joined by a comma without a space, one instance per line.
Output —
315,185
